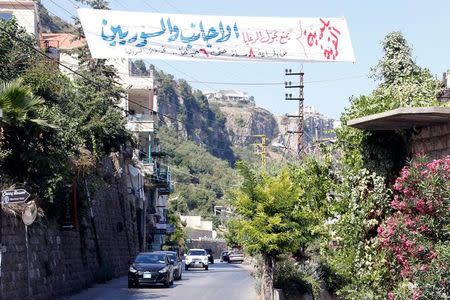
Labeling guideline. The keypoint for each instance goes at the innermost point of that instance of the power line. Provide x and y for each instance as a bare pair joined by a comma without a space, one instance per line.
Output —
165,62
83,76
63,8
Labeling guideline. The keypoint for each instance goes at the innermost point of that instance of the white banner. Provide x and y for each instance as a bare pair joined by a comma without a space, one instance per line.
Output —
116,34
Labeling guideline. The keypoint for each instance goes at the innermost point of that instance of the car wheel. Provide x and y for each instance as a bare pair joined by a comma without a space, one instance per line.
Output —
130,285
186,268
206,268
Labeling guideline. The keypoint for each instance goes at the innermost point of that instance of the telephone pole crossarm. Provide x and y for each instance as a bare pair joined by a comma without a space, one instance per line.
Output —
300,119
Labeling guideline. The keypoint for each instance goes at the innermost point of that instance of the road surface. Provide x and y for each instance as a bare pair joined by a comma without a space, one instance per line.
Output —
221,282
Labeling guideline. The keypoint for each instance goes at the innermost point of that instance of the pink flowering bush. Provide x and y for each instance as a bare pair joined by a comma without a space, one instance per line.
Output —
419,227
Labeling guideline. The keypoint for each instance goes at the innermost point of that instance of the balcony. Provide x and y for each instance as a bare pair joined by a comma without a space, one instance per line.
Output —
163,180
144,163
141,122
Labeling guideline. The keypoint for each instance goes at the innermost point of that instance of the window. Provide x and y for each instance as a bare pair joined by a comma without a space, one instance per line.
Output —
6,16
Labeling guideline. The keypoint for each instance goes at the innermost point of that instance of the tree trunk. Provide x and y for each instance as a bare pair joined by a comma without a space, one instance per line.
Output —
267,278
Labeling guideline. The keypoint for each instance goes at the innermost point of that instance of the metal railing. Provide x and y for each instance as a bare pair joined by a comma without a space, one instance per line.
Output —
140,117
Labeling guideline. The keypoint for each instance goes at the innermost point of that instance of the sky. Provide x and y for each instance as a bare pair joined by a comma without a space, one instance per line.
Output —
328,86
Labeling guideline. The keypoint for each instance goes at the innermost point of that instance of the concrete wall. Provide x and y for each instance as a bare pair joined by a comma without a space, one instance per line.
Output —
434,141
196,222
64,261
24,12
216,246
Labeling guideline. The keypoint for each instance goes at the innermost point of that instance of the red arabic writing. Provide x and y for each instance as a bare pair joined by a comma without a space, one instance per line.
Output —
327,39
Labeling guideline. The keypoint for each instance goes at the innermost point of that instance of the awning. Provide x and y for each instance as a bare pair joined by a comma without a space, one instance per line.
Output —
403,118
137,181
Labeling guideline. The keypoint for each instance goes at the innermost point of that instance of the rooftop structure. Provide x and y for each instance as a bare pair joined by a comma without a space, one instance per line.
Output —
403,118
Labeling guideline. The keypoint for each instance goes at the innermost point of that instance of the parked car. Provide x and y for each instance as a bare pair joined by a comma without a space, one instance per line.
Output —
196,258
235,256
150,268
210,256
224,256
175,259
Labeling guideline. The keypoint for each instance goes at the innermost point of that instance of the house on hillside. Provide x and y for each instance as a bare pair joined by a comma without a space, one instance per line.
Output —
229,97
198,229
431,126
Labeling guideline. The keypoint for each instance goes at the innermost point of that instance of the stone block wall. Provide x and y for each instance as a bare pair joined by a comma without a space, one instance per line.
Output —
434,141
63,262
217,246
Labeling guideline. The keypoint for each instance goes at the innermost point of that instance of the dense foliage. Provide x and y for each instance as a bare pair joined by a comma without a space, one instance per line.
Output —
369,266
280,214
383,231
417,235
201,180
402,84
50,118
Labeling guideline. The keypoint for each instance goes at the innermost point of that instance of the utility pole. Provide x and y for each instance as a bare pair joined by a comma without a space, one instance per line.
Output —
299,117
263,147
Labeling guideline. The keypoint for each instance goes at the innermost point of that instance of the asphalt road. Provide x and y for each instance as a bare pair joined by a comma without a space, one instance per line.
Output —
221,282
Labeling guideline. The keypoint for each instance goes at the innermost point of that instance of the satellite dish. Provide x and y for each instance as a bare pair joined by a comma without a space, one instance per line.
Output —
29,214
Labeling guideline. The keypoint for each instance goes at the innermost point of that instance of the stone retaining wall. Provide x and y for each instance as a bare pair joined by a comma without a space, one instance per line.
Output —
434,141
65,261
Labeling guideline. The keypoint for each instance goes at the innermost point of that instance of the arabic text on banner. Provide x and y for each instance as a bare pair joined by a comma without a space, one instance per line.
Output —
114,34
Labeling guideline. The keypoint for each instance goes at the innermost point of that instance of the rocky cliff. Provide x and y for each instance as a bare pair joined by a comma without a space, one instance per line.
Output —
244,122
221,125
189,112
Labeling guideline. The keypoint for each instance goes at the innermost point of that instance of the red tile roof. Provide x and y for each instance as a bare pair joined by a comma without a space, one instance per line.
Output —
63,40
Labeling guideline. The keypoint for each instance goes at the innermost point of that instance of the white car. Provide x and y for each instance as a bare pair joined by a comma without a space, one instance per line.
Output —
196,258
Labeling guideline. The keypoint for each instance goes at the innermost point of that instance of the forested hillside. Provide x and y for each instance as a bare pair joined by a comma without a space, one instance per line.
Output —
201,179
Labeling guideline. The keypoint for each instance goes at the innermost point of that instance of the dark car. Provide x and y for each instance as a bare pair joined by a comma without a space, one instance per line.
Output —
210,256
224,256
175,259
150,268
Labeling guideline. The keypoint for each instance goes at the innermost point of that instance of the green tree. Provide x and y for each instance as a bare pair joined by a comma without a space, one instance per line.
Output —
176,239
274,219
402,84
14,57
368,164
19,104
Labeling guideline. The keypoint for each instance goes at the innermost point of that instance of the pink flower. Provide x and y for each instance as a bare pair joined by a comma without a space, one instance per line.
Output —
408,221
417,294
424,228
420,206
390,296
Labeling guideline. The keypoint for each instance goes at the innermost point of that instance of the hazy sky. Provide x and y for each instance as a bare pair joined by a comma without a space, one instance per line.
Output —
328,86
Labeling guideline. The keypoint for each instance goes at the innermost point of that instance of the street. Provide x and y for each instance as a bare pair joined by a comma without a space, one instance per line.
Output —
221,282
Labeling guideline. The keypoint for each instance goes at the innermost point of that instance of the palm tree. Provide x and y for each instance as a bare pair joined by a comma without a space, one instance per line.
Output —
19,104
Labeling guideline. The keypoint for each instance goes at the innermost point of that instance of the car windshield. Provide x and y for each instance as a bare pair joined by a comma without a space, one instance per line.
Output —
196,252
172,256
150,259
